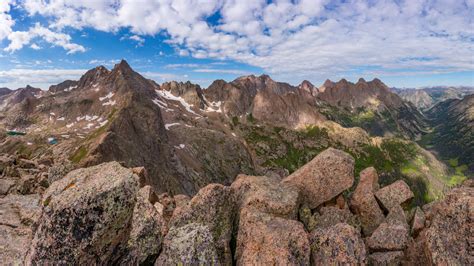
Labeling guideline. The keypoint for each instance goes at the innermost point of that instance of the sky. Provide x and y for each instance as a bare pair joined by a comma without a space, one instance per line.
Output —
405,43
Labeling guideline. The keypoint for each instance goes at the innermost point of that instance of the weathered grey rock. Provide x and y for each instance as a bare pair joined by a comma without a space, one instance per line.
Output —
86,216
265,239
391,258
394,194
388,237
192,244
363,202
214,207
340,244
323,178
145,238
418,222
59,170
24,163
267,195
17,214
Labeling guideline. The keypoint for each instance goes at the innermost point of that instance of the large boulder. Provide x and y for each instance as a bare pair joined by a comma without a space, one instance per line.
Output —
86,216
328,216
448,240
395,194
267,195
323,178
363,202
145,238
17,215
391,258
191,244
418,222
340,244
265,239
214,209
389,237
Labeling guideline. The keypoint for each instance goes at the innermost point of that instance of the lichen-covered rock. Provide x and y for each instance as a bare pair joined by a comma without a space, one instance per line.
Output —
267,195
448,240
340,244
17,214
307,218
329,216
6,184
265,239
86,215
59,170
323,178
391,258
363,202
145,238
388,237
213,207
418,222
394,194
192,244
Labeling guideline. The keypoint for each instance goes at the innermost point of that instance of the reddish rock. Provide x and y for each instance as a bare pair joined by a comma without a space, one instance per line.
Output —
392,258
388,237
323,178
448,240
363,202
264,239
331,215
267,195
418,222
394,194
339,244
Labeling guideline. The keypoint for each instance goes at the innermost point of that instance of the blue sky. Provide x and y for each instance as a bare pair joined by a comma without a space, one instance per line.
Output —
404,43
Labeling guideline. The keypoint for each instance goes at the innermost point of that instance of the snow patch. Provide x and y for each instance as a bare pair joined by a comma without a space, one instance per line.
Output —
180,147
111,103
167,126
89,126
108,96
61,118
70,125
167,95
70,88
65,136
52,113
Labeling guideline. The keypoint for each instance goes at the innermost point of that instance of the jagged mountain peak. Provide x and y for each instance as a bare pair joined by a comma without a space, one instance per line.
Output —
122,66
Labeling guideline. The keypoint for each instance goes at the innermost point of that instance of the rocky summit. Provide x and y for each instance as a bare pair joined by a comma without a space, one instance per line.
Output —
116,169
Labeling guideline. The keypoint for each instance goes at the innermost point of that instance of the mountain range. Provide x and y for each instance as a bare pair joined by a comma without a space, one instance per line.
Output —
115,168
187,137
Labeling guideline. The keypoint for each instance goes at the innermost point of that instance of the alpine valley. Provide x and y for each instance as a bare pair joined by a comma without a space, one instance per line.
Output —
116,169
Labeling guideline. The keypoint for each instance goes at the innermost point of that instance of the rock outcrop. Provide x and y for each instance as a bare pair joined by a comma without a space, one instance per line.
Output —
394,195
323,178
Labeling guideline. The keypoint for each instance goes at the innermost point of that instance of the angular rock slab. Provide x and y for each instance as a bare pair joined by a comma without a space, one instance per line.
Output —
394,194
323,178
340,244
392,258
266,194
389,237
85,217
213,207
264,239
192,244
363,202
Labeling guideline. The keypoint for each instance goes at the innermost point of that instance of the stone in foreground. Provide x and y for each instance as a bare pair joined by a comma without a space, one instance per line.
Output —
340,244
85,217
394,194
323,178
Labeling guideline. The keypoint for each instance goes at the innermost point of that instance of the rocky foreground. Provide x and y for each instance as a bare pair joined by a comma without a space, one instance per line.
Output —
107,214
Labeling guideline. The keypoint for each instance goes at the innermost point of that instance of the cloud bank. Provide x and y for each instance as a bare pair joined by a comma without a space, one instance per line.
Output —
286,38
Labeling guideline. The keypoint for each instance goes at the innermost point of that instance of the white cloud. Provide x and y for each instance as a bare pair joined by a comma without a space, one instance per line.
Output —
18,39
221,71
41,78
34,46
290,39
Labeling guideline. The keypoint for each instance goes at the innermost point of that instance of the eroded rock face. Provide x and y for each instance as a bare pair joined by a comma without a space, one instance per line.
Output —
448,240
363,201
85,216
386,258
340,244
331,215
17,214
323,178
264,239
145,238
394,194
418,222
213,209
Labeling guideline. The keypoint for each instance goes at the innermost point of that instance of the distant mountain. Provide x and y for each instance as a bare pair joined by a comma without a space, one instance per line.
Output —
4,91
453,131
187,137
372,106
425,98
